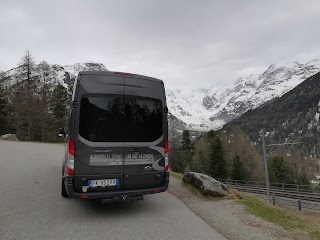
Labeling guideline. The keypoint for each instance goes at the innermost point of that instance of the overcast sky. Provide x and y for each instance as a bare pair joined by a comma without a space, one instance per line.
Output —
188,44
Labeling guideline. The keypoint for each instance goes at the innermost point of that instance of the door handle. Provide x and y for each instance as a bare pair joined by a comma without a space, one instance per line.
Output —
135,150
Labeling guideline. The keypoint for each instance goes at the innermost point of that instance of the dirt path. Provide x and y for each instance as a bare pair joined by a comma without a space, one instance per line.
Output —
228,217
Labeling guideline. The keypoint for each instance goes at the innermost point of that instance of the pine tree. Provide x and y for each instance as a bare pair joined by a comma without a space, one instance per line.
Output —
237,171
210,135
279,170
3,112
187,150
59,105
47,76
303,180
186,141
217,161
24,93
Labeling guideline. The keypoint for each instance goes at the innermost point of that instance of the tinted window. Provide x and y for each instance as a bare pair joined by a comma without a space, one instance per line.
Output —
102,119
111,119
143,119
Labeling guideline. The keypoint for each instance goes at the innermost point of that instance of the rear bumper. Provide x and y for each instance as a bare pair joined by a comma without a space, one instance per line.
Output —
68,181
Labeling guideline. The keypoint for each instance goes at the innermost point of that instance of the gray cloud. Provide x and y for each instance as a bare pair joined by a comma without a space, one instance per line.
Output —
186,43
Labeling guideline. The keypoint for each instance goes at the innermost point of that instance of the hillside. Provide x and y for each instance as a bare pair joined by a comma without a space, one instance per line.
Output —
294,117
205,109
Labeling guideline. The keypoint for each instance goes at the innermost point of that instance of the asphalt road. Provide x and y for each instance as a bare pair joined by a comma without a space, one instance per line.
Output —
31,206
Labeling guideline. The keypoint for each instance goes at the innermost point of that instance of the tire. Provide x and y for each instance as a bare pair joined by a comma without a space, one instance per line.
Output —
63,190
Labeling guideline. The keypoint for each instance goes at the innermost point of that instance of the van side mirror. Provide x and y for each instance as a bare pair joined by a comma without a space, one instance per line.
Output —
62,132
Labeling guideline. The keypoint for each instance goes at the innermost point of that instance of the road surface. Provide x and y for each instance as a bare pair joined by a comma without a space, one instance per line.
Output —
31,206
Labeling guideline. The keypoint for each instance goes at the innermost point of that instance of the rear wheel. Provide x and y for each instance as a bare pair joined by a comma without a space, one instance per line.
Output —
63,190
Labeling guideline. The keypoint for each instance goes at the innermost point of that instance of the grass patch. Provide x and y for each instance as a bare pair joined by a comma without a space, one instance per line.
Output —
280,216
234,194
176,175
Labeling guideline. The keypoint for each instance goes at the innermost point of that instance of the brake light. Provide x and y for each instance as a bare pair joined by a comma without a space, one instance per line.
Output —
166,147
69,169
124,73
71,146
166,156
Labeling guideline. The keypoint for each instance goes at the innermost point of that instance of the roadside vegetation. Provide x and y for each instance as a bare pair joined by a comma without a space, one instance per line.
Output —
281,216
36,105
176,175
217,155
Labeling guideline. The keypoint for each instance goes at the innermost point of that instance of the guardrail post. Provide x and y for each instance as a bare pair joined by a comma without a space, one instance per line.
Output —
299,204
282,186
297,188
273,200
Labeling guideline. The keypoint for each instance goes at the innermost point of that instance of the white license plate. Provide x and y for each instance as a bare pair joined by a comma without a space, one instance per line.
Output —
103,183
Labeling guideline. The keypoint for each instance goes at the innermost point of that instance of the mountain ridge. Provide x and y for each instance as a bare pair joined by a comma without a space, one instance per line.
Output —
205,109
211,109
291,118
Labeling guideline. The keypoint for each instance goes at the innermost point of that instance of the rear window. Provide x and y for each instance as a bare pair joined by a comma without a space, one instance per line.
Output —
143,120
115,119
102,119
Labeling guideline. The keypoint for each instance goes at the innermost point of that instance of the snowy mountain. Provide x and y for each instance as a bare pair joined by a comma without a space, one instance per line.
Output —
293,117
210,109
67,74
205,109
64,75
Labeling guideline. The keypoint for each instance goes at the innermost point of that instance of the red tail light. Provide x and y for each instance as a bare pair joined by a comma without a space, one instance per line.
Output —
69,167
71,146
166,156
166,147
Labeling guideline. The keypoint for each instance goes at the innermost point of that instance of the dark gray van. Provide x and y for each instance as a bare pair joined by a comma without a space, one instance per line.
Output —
117,146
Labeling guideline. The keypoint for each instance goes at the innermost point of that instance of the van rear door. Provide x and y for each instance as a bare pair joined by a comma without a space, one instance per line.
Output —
99,133
144,134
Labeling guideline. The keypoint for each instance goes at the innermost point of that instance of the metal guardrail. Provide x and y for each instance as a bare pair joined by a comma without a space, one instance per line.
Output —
295,195
283,186
297,203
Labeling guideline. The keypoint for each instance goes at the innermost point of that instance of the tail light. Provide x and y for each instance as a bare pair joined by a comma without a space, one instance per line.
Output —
69,170
166,156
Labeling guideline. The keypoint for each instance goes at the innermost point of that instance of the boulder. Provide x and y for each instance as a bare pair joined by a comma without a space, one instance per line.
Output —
208,186
9,137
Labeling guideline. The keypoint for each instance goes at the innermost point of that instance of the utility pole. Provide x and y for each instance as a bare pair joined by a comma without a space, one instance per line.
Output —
265,160
266,170
28,94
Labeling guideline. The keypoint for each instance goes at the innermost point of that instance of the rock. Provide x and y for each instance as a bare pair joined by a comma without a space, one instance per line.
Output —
208,186
9,137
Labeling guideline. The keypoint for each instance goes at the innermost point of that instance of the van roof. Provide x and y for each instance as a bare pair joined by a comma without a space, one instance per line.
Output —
110,73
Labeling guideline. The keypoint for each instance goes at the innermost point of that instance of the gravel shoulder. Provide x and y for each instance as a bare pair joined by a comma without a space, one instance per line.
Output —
228,217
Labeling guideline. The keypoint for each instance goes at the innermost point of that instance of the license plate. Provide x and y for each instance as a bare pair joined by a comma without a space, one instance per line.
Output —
103,183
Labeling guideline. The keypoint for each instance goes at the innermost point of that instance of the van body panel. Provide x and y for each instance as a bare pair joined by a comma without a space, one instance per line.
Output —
143,165
119,127
96,160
